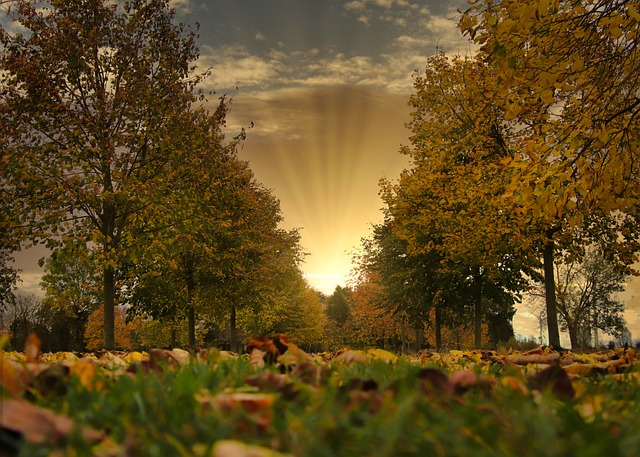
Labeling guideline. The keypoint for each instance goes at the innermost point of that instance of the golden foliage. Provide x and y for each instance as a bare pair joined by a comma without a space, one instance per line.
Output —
93,333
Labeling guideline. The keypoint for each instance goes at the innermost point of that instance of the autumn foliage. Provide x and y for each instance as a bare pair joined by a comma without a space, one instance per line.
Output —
93,332
217,403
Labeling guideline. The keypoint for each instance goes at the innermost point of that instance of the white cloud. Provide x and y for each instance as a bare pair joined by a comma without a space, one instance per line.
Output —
234,66
260,37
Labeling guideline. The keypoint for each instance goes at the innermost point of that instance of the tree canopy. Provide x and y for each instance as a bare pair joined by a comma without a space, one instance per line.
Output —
568,80
97,100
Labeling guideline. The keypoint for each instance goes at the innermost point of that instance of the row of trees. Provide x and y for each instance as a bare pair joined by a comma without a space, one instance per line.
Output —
524,157
111,154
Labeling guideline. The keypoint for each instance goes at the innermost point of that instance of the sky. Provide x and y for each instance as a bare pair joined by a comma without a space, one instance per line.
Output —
325,85
322,88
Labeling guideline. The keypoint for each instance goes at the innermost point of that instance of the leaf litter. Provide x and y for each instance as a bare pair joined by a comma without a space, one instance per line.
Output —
281,373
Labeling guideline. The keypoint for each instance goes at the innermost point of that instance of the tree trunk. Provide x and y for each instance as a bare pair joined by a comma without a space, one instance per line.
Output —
573,336
419,332
108,330
478,316
192,326
233,330
550,292
174,337
438,325
191,315
189,266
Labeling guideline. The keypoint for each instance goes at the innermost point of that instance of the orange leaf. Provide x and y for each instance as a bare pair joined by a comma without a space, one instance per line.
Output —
32,348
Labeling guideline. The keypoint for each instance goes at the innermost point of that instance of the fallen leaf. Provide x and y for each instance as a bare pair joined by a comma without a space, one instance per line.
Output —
515,384
85,370
435,382
38,425
555,379
134,357
52,381
257,406
13,376
32,348
523,359
257,357
463,380
348,357
233,448
382,354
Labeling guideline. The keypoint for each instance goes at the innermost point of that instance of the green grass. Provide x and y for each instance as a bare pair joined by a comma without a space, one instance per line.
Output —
158,414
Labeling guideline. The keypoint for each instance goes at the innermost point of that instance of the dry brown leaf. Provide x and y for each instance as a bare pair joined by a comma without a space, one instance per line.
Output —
39,425
435,382
348,357
463,380
523,359
295,356
257,406
555,379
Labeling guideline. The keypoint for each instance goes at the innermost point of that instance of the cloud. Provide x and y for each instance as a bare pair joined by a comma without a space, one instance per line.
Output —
397,12
234,65
181,6
414,34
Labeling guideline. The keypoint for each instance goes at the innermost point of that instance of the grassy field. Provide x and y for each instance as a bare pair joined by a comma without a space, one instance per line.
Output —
211,403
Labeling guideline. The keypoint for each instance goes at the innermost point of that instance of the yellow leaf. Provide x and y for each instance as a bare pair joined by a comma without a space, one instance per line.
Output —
85,370
382,354
547,96
134,357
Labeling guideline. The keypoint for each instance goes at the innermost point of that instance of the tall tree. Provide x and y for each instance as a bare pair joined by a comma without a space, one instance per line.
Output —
568,76
93,99
587,298
453,202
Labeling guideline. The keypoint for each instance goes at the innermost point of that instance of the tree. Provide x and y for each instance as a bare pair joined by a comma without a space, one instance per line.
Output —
568,77
452,204
229,254
338,305
586,297
22,318
8,273
71,282
371,324
410,283
296,311
93,331
8,279
94,97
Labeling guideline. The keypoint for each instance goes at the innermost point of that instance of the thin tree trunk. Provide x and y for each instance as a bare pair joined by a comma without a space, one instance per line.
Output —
233,330
478,316
438,325
192,326
550,292
108,329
